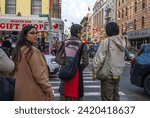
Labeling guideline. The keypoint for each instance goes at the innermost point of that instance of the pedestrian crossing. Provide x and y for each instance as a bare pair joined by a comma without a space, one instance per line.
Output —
91,88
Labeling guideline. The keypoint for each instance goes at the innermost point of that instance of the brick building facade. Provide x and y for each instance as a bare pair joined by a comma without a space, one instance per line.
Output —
133,17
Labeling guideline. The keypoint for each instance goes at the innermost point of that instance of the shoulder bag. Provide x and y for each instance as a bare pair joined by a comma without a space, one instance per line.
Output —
103,72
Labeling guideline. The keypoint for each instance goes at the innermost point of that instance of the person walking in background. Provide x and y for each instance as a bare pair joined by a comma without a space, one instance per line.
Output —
7,47
41,43
72,89
111,50
55,48
31,72
7,37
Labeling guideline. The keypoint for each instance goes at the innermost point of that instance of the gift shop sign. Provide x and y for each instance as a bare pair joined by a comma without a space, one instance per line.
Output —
18,24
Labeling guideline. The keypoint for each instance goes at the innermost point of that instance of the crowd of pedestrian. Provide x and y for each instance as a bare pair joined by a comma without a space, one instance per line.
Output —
27,64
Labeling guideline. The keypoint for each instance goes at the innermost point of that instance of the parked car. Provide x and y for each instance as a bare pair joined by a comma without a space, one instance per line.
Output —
140,69
53,66
92,51
128,54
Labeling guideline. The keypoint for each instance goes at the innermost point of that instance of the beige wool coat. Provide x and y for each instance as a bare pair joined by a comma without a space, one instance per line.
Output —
32,79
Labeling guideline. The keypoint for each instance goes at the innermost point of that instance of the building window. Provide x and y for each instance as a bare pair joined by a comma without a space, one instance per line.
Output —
119,14
135,24
10,7
143,4
122,28
126,11
142,22
119,3
122,13
126,27
36,7
135,8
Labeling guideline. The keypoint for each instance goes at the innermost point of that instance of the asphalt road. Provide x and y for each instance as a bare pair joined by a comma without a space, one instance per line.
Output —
133,93
128,92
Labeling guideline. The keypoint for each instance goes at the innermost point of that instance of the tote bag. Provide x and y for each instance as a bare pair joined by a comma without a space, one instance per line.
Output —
103,72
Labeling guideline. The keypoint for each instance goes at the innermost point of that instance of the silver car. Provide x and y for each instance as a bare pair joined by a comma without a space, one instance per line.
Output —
53,66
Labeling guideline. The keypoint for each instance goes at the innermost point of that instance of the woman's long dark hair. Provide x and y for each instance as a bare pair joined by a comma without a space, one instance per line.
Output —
22,41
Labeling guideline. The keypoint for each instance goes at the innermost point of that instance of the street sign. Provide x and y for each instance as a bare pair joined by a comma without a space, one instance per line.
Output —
43,15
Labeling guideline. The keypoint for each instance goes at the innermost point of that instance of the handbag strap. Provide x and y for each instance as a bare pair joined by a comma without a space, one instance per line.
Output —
106,51
80,52
80,49
108,46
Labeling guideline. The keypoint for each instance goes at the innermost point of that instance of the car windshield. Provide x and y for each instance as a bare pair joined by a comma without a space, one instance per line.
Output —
140,52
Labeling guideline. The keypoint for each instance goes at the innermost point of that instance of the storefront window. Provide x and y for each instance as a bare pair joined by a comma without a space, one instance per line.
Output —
36,7
10,7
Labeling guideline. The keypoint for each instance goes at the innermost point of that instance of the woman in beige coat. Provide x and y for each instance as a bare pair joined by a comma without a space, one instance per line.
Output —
31,72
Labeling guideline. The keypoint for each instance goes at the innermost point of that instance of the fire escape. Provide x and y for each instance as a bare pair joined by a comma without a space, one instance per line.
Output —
108,14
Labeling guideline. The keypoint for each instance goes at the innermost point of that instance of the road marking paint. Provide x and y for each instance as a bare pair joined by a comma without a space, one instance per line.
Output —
86,86
87,72
86,81
87,94
121,93
127,63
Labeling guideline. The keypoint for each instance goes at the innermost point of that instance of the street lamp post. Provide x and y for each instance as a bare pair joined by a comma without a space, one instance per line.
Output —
68,28
50,24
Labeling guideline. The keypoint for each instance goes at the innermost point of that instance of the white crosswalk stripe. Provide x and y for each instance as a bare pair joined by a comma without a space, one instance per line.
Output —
86,86
91,88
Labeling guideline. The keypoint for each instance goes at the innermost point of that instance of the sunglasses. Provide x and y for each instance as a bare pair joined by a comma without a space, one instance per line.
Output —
33,33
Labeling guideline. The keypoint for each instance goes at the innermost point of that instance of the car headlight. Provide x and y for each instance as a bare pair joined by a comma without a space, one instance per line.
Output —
132,55
53,61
